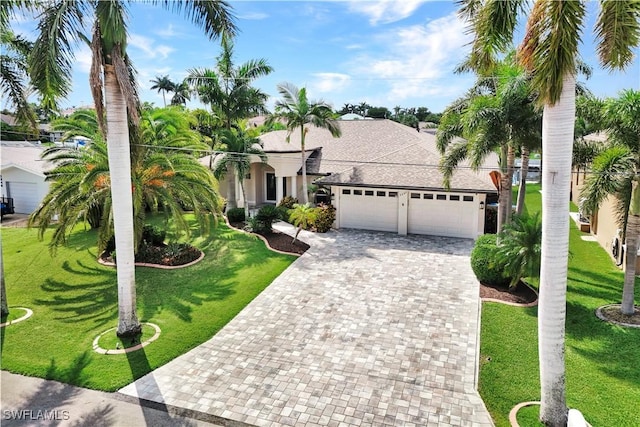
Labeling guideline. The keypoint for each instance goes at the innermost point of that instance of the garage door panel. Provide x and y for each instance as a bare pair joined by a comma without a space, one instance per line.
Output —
368,209
25,196
444,217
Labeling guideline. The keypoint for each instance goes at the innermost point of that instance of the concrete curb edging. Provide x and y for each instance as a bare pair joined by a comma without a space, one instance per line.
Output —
28,314
159,266
515,304
604,318
100,350
266,242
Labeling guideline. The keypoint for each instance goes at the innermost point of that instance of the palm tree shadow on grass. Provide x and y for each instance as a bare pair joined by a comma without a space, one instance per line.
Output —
607,287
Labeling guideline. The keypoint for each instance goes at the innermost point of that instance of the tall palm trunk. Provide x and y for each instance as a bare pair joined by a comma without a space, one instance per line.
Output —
232,203
121,195
557,144
4,306
305,193
632,241
524,171
507,161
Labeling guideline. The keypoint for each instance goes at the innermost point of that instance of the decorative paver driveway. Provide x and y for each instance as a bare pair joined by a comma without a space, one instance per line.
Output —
364,329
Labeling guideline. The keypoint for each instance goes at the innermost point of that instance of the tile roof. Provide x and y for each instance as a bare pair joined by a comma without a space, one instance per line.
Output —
378,153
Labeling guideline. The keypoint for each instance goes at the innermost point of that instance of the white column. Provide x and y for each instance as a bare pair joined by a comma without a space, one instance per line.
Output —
278,189
403,212
294,186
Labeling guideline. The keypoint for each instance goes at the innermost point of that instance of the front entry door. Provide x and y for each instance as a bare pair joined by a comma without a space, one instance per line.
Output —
271,187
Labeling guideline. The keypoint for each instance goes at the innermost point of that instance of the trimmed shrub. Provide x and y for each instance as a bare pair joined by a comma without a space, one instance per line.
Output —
153,235
267,215
236,215
324,218
485,262
288,202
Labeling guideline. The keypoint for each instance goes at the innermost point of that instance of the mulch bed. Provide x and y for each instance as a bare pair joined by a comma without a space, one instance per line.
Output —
521,294
279,241
612,313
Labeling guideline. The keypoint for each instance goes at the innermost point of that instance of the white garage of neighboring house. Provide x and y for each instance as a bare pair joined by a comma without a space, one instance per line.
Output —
381,175
22,175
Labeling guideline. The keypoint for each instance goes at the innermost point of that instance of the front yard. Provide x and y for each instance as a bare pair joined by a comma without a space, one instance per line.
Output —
74,299
603,374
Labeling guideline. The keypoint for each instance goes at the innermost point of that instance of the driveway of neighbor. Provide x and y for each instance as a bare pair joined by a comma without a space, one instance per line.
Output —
365,328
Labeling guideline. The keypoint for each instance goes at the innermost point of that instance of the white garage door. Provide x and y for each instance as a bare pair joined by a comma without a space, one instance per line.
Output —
25,196
440,214
369,209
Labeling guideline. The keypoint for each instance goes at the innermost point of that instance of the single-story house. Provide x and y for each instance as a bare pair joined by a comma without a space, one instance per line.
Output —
22,175
380,175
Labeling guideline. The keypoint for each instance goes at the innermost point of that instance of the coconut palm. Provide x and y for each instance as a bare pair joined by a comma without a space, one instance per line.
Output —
614,172
61,25
229,92
549,53
237,145
163,84
297,111
497,114
182,94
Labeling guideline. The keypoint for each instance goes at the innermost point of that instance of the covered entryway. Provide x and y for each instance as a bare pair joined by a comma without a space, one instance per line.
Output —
369,209
443,214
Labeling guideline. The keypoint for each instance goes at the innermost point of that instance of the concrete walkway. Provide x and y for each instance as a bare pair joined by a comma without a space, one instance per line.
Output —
364,329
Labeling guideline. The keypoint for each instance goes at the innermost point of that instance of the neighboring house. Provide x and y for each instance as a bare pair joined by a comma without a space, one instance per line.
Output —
22,175
381,175
603,225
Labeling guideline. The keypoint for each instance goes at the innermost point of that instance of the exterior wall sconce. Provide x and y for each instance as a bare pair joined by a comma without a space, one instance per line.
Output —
481,205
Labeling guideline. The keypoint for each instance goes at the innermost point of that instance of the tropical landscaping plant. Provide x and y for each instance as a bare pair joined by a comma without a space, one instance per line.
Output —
113,88
302,216
163,84
519,248
614,172
488,268
297,111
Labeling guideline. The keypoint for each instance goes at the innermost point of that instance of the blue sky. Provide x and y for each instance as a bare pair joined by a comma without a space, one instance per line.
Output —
385,53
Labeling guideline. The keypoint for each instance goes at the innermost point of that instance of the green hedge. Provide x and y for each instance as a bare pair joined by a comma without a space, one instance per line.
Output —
485,264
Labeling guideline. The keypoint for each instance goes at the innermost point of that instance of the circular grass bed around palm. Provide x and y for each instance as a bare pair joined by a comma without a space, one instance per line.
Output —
109,341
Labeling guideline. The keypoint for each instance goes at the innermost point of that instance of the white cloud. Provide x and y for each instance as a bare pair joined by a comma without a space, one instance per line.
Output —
169,32
82,60
329,82
146,45
253,16
415,59
385,11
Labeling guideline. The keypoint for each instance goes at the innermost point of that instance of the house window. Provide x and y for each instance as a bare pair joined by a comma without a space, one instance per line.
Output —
393,194
441,197
454,198
381,193
415,195
368,192
247,176
345,191
428,196
357,192
467,198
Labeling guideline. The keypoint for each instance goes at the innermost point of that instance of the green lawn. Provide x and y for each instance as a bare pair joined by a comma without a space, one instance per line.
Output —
603,373
74,299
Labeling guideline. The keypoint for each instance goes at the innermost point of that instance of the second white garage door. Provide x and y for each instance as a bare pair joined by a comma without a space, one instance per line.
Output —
25,196
442,214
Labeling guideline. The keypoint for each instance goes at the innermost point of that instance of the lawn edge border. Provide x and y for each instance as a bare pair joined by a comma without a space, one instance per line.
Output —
28,314
101,350
602,317
515,304
266,242
158,266
513,414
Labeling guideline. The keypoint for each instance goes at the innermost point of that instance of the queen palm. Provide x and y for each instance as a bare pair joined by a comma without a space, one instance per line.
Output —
549,52
228,90
162,84
236,146
297,111
59,28
615,172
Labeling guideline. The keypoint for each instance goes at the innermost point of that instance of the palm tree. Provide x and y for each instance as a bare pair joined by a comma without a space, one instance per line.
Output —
615,172
302,216
519,247
163,84
182,94
549,53
164,173
237,147
60,25
229,92
497,114
298,111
